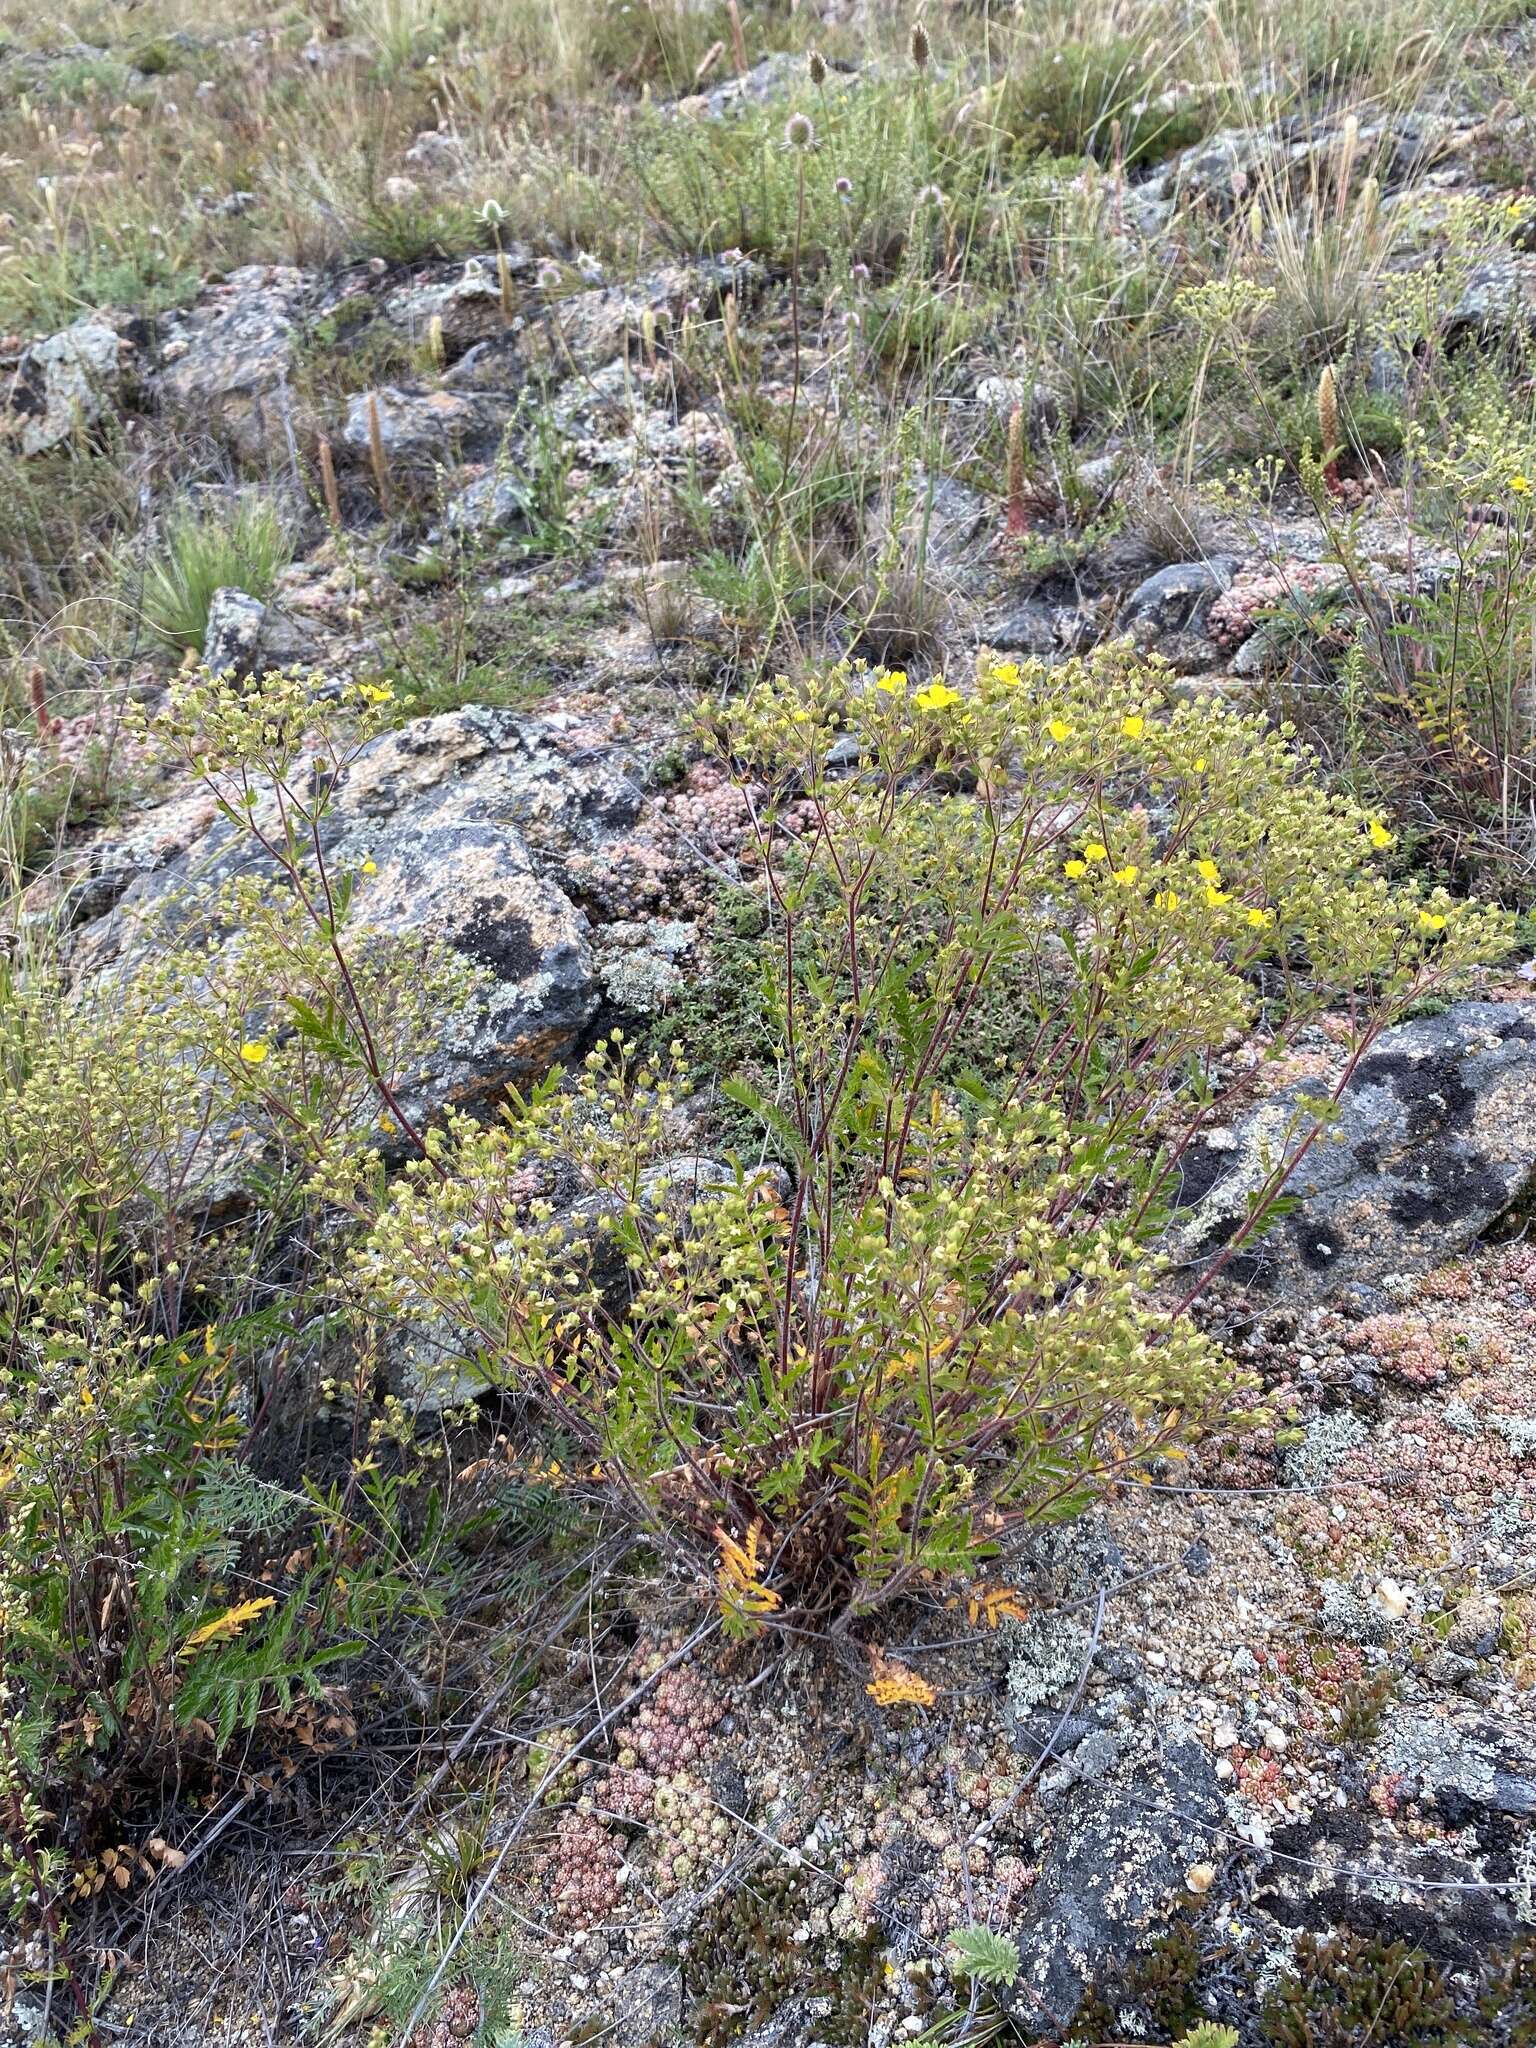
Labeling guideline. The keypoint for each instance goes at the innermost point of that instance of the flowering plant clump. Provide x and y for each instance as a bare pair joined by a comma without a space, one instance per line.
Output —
948,1312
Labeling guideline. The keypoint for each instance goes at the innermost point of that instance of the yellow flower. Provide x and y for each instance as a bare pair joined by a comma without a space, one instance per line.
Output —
1216,897
1380,836
1134,726
1006,672
375,693
1200,764
1208,871
1095,850
937,697
1431,921
1259,918
894,681
370,865
1520,485
254,1051
1059,730
1166,899
1075,870
1126,875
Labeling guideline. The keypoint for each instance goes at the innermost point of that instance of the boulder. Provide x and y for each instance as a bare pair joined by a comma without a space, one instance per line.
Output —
61,384
246,637
419,429
1498,301
588,329
464,818
1435,1139
466,301
1176,598
498,502
1028,629
228,359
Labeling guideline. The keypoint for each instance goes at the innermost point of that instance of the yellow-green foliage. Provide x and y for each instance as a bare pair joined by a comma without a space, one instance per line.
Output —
156,1593
949,1313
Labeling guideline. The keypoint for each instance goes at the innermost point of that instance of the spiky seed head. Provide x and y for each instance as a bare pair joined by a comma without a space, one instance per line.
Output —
922,49
799,131
1328,409
816,64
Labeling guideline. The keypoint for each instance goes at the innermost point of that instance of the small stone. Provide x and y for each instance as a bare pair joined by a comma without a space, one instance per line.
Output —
1390,1599
1200,1877
1276,1741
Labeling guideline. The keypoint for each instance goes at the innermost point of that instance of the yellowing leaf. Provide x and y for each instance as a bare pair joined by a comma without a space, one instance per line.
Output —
225,1625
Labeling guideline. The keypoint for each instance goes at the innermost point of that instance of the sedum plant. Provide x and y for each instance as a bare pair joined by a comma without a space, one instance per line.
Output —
1013,929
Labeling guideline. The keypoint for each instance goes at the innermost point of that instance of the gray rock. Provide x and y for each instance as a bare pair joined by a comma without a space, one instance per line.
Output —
589,329
946,535
1435,1139
648,2006
775,76
1123,1839
1228,167
1177,597
245,637
228,359
1166,613
1044,409
465,816
499,502
418,429
1387,376
466,301
1346,1865
1498,302
61,385
1026,629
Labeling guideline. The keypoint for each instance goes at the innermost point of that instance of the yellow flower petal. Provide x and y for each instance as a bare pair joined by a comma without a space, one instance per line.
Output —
1059,730
1134,726
1208,871
937,697
1095,850
1074,870
1126,875
254,1051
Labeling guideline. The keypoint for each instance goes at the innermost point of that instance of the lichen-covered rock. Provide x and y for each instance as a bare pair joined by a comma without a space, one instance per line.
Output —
229,358
463,817
465,301
60,385
1124,1839
1167,613
245,637
589,329
1498,301
1435,1139
418,429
